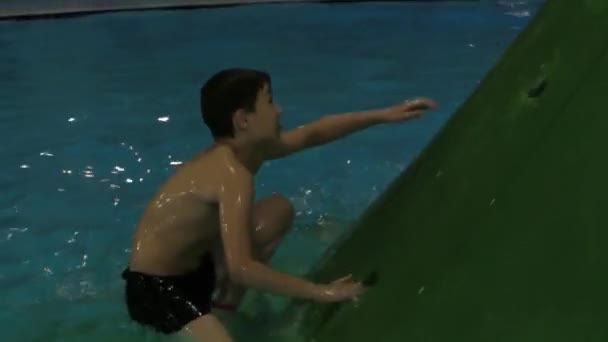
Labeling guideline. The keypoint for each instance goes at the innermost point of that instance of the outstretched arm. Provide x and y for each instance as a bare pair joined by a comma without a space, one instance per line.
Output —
336,126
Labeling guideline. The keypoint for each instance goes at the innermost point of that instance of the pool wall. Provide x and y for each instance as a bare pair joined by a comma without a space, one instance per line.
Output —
497,232
35,9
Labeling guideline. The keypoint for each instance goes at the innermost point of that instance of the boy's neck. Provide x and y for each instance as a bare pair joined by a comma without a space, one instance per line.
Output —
247,153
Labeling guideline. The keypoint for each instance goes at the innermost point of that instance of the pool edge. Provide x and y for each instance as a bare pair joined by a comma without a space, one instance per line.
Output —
68,10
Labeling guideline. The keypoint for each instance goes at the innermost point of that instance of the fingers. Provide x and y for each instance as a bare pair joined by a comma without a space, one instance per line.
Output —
345,289
354,288
357,291
421,103
343,279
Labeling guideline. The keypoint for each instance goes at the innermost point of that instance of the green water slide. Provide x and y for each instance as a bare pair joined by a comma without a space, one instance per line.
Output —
499,230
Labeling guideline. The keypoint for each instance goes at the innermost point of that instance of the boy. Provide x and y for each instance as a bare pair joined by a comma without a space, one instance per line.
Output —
202,231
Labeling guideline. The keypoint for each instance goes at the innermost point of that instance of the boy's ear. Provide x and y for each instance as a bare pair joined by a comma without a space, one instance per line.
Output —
240,120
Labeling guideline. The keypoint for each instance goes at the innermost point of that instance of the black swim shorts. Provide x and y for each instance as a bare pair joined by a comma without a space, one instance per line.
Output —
168,303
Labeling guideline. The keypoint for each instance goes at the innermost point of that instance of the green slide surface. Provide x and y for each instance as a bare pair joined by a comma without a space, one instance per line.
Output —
499,230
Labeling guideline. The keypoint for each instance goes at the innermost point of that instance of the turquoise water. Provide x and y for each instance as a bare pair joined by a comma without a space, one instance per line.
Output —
95,109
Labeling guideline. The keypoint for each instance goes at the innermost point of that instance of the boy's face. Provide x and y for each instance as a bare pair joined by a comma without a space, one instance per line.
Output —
266,120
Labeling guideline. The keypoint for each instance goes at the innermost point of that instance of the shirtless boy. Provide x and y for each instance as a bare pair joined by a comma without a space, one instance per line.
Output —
202,231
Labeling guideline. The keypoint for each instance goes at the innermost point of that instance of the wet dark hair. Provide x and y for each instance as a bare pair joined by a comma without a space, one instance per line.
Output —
226,92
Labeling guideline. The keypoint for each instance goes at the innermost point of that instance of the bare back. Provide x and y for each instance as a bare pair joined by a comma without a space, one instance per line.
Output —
181,222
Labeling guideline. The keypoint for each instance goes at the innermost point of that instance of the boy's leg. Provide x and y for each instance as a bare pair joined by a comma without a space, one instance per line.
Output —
272,218
206,328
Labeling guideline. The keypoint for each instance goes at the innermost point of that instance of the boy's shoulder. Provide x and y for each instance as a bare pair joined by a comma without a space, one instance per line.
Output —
219,161
207,172
217,156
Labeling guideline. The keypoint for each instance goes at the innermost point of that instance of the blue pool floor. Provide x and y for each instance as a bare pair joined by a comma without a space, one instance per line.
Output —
95,109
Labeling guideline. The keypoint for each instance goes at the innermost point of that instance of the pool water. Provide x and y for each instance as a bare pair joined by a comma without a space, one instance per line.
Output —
96,112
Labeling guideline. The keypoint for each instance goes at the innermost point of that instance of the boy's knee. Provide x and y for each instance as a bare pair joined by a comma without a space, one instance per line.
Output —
273,217
284,207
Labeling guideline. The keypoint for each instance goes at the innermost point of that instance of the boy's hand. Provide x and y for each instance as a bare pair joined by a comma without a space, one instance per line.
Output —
407,110
340,290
